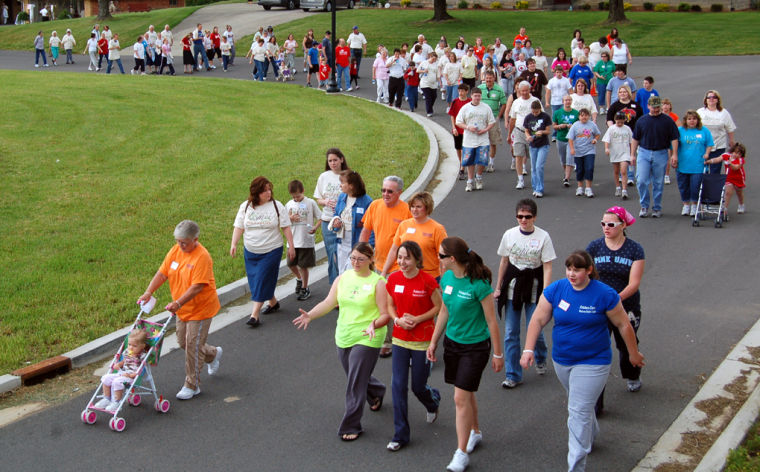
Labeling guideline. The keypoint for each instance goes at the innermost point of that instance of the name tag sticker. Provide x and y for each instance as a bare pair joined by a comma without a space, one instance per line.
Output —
399,289
534,243
563,305
411,230
448,290
367,287
174,265
360,211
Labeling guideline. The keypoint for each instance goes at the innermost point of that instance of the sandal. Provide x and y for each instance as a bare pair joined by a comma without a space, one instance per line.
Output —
375,403
350,437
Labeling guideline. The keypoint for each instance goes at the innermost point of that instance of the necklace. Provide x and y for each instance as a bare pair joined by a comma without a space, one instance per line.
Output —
615,244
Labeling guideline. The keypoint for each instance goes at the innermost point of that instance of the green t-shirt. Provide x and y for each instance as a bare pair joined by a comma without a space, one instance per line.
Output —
562,117
462,297
356,297
494,98
605,69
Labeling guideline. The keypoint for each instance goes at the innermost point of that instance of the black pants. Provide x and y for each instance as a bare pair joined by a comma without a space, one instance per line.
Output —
357,53
627,371
100,59
139,65
430,95
396,87
471,82
164,64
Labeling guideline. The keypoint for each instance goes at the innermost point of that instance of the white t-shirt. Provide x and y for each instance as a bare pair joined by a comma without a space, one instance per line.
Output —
107,34
521,66
541,63
526,251
558,88
577,54
453,72
55,41
356,41
92,45
152,37
328,187
139,51
595,53
113,50
620,54
583,101
259,52
309,213
719,123
480,116
290,46
230,36
619,138
261,226
428,74
167,34
225,47
499,52
520,109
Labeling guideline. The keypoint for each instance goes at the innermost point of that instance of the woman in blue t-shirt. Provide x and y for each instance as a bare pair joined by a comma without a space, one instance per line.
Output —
469,319
581,307
695,143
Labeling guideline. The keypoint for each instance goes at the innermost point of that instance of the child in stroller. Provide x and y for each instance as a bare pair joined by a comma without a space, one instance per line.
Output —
128,369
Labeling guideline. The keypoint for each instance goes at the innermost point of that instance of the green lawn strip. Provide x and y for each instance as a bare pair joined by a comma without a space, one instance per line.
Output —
746,457
95,179
127,25
648,34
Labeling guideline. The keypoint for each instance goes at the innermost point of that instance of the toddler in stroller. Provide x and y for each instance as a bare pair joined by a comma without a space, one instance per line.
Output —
127,370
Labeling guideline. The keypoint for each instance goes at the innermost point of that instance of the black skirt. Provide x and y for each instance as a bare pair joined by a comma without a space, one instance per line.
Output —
187,58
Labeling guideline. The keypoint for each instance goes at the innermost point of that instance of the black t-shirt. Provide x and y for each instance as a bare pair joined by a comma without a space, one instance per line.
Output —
505,61
614,267
537,80
631,109
535,123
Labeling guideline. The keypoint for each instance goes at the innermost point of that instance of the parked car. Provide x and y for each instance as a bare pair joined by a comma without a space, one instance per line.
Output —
287,4
326,5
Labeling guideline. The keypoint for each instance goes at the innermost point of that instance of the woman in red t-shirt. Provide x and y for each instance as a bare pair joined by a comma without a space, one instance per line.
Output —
102,50
479,51
414,298
187,54
342,65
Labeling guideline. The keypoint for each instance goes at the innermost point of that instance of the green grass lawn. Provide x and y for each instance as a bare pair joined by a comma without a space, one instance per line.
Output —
127,25
96,178
648,34
746,457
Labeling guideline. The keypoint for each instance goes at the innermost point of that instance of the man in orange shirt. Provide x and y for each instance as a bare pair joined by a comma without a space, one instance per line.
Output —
190,271
383,217
521,36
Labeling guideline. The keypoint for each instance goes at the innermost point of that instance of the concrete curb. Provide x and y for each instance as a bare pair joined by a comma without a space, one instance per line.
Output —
105,346
734,366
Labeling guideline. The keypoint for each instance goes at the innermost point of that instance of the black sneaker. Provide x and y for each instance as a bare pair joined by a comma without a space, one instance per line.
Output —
305,294
269,309
461,174
299,284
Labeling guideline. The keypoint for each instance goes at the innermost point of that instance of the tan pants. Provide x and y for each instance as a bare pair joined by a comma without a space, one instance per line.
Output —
191,336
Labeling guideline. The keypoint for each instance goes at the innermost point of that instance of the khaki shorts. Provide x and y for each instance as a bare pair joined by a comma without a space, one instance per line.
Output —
519,143
494,134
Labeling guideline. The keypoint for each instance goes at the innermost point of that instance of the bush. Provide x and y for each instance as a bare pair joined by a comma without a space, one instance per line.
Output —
23,16
496,6
604,6
462,5
716,7
696,7
586,6
64,15
521,4
662,7
683,7
477,6
627,6
648,6
406,3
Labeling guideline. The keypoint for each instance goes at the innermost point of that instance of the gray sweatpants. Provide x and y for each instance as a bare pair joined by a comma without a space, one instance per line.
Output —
358,362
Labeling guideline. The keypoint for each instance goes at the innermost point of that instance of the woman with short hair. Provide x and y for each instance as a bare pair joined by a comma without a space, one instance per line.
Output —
353,202
718,120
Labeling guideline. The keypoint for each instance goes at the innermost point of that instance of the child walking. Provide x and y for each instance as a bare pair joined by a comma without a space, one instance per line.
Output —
304,213
324,72
735,178
617,145
353,72
412,78
127,369
581,140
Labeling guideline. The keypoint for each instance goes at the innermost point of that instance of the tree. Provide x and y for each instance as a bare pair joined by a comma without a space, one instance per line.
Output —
617,12
103,13
439,11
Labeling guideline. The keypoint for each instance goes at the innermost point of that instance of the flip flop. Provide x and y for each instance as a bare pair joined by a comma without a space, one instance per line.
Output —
348,437
376,403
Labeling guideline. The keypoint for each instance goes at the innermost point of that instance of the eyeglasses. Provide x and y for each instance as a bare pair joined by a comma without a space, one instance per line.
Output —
443,256
611,224
711,97
524,217
387,190
358,260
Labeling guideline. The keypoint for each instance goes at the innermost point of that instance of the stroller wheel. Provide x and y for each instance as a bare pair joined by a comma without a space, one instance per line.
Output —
89,417
117,424
135,400
162,406
718,224
695,223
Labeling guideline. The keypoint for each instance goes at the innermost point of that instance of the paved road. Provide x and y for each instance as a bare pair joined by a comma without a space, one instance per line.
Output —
278,398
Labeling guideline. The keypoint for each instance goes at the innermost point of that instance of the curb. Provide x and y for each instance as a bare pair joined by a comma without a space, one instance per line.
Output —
105,346
734,366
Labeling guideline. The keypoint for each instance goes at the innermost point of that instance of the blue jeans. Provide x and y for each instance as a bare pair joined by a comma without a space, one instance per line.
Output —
428,396
411,96
688,185
331,248
40,53
118,62
69,57
555,108
451,93
260,72
650,169
583,384
512,351
342,72
601,91
716,168
584,167
199,49
537,161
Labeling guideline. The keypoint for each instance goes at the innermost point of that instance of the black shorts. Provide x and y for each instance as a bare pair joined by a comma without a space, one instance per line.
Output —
305,257
464,363
458,141
313,69
210,54
218,52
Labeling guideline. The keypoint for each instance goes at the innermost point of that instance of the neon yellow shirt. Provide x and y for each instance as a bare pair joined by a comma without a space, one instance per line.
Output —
356,297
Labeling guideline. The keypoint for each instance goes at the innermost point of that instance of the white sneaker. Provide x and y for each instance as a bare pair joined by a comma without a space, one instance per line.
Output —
431,417
47,65
509,383
693,210
468,187
589,192
489,169
579,192
36,65
624,194
740,209
667,180
103,403
112,406
459,462
520,183
213,366
539,195
512,165
478,184
541,368
617,191
132,71
474,440
349,89
525,171
634,385
630,182
685,210
187,393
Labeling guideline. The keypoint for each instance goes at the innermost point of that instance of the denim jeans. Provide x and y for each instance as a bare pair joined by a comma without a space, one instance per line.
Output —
554,108
584,167
342,72
40,53
331,248
260,72
512,351
537,161
601,91
688,186
69,57
232,54
118,62
452,92
199,49
650,169
583,384
428,396
411,96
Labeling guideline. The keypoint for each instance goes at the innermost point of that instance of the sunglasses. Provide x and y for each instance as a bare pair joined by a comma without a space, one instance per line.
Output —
443,256
387,190
524,217
712,97
611,224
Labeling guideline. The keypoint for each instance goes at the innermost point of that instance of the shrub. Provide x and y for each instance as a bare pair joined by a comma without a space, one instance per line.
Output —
696,7
662,7
406,3
521,4
462,5
496,6
627,6
716,7
24,16
683,6
64,15
648,6
586,6
476,6
604,6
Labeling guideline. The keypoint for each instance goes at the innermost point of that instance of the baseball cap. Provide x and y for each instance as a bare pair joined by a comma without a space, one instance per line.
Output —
355,27
654,101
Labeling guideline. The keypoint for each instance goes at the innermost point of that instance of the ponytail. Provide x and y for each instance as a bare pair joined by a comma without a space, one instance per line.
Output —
472,262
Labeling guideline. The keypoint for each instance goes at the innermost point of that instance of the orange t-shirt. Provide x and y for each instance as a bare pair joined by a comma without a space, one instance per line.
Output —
186,269
384,221
429,236
673,116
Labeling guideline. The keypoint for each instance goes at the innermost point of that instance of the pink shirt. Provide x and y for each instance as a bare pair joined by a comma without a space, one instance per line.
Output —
381,72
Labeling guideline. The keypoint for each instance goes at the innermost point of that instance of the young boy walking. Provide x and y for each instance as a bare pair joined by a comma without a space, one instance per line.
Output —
303,213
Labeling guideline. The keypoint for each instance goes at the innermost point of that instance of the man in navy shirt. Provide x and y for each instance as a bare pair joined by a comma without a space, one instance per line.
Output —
656,138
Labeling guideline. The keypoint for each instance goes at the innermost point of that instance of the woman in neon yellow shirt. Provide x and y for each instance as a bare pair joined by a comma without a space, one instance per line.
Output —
359,333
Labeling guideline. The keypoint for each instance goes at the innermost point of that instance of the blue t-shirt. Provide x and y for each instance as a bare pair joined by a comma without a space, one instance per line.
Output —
313,56
581,72
692,143
642,98
582,135
614,267
580,333
462,297
614,84
655,133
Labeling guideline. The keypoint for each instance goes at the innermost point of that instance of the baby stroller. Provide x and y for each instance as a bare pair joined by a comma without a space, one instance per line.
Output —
712,191
286,73
141,385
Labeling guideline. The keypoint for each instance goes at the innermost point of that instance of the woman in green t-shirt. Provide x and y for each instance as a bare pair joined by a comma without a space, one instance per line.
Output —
469,320
359,333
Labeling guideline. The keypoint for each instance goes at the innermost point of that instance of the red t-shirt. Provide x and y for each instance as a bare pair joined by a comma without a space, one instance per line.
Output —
342,56
479,52
103,46
457,105
324,72
412,296
354,71
412,77
186,43
215,39
521,37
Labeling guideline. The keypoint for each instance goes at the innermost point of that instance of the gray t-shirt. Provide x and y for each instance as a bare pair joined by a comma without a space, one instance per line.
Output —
582,135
